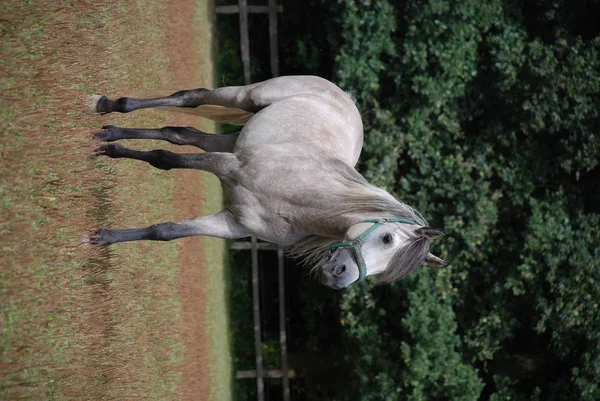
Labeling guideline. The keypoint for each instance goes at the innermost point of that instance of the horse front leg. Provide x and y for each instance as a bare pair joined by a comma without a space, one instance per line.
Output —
221,225
174,135
223,165
229,96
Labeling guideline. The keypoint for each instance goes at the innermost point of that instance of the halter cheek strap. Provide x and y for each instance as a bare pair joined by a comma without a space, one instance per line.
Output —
356,244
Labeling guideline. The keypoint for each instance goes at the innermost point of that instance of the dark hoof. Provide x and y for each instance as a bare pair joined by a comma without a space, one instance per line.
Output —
104,105
109,133
111,150
101,104
102,237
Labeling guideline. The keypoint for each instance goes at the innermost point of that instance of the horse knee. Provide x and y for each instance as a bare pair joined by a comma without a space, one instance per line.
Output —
163,231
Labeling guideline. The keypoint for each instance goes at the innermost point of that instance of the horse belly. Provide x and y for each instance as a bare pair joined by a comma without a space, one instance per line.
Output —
307,124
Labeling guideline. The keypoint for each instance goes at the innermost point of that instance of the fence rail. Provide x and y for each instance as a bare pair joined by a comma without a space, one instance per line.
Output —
234,9
285,373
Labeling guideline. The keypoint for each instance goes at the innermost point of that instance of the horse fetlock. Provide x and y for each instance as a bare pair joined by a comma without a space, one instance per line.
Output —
104,105
123,104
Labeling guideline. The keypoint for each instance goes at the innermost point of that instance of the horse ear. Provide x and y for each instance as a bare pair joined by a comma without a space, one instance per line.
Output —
433,261
429,233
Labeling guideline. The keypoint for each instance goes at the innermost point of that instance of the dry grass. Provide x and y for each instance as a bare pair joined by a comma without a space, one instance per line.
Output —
79,322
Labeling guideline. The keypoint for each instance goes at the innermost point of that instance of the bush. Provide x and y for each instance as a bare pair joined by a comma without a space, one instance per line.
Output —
485,117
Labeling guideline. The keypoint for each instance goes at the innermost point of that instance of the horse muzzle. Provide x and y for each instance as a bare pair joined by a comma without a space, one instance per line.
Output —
335,275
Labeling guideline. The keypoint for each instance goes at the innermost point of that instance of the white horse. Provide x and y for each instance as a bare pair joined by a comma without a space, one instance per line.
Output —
290,175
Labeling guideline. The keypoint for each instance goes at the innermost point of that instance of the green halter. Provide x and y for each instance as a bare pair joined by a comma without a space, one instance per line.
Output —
357,243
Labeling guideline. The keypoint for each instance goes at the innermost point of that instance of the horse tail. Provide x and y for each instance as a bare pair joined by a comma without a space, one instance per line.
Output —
218,113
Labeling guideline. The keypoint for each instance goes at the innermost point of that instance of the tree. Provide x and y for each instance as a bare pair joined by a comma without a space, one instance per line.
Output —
484,116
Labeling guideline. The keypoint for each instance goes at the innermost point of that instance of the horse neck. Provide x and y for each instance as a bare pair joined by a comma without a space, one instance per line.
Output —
350,203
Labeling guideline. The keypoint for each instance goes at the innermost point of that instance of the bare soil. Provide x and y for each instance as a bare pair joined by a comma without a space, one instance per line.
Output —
184,65
78,322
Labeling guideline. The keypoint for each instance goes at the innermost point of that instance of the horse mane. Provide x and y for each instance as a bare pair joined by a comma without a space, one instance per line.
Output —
360,197
405,261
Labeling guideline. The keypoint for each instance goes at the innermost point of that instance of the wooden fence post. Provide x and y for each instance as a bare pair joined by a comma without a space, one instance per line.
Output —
260,383
244,39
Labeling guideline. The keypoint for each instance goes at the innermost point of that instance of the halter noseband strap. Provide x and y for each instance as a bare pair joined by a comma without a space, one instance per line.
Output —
356,244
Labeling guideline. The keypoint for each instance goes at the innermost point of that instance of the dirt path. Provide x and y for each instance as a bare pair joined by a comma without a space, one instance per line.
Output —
184,65
81,323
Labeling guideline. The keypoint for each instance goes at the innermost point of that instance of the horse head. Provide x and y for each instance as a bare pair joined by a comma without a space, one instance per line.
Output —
389,248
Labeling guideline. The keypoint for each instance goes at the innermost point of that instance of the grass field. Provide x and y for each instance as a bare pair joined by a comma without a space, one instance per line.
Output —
133,321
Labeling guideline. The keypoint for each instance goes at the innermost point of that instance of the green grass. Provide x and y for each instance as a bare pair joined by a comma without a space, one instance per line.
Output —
215,250
79,322
216,308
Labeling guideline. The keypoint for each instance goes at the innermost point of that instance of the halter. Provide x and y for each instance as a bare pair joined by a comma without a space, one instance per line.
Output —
356,244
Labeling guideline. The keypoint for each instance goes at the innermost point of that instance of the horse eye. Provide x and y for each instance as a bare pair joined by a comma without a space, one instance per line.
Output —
387,238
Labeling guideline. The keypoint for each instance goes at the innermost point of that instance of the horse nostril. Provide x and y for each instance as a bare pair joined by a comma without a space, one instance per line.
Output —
339,270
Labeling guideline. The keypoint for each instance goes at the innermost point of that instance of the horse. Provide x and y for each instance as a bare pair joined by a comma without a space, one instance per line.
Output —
290,176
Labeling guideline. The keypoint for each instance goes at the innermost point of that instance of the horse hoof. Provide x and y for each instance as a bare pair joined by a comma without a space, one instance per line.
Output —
109,133
99,104
100,238
111,150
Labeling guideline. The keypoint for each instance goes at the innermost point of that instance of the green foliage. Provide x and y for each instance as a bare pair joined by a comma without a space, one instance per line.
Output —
228,61
434,366
484,116
240,312
359,62
561,269
367,28
416,357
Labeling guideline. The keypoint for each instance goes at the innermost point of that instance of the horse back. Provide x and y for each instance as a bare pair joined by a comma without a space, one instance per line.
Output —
319,119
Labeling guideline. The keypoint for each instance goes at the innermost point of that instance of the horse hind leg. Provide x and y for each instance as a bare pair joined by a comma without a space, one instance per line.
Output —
250,98
223,165
174,135
229,96
255,97
184,98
